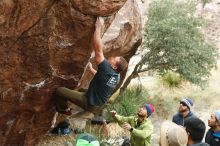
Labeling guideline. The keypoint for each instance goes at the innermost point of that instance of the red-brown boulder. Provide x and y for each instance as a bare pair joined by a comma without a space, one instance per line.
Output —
45,44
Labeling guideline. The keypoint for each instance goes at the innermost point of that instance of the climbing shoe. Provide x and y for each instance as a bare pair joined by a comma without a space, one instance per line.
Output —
99,120
66,112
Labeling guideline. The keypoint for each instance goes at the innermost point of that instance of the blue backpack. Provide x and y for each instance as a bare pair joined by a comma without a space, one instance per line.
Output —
63,128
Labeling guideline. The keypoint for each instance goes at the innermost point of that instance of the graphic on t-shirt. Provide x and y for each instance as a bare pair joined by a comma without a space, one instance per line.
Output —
112,82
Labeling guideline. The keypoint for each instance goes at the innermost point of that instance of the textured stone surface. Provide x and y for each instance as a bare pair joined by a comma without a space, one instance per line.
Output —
45,44
98,7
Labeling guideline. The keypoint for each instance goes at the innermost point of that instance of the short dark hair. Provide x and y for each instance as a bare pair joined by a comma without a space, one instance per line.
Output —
121,65
195,127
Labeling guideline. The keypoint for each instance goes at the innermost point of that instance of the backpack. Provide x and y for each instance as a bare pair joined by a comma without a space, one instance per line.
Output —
86,139
62,128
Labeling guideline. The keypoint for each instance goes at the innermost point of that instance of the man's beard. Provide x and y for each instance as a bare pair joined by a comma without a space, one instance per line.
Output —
182,111
141,116
211,125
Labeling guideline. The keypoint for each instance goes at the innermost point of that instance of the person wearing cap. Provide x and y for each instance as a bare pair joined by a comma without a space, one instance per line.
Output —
183,112
213,134
101,87
195,129
140,126
172,134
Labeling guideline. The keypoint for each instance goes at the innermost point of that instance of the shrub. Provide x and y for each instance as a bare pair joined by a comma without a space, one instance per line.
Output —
128,103
172,79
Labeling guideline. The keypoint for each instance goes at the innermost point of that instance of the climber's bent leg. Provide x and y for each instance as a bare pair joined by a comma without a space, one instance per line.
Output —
96,110
64,94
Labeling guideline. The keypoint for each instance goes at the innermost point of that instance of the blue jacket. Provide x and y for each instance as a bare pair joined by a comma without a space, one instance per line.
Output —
179,119
213,139
201,144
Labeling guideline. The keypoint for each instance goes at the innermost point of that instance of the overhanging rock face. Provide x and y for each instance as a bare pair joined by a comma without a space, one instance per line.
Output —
47,43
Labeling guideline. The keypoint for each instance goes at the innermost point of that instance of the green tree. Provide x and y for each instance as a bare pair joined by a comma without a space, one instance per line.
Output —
174,41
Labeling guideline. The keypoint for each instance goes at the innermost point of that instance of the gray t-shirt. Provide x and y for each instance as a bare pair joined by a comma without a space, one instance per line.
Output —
103,84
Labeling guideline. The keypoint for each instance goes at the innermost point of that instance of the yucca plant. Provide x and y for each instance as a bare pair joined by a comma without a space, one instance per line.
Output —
171,79
128,103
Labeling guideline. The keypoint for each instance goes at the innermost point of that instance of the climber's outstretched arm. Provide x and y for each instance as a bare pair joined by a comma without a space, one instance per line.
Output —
97,42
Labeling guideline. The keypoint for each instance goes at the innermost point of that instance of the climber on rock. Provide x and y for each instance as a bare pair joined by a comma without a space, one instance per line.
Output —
101,86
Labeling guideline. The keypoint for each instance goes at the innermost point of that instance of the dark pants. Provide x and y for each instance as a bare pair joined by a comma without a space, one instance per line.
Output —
63,95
